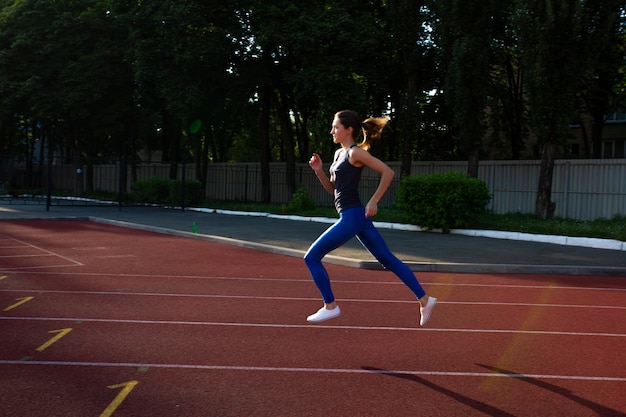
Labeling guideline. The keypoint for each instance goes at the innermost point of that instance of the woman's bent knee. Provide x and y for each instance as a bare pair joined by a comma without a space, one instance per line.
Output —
312,259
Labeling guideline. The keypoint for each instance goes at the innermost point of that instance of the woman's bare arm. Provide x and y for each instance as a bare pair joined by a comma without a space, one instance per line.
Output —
361,157
316,164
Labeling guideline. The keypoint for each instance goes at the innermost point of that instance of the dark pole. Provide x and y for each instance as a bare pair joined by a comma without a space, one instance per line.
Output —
49,182
182,187
121,182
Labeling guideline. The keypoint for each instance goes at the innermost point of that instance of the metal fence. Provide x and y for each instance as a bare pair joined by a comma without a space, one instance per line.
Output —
581,189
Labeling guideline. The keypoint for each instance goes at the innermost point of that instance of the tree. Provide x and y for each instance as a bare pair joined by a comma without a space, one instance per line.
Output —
507,104
253,80
465,31
76,96
411,75
604,40
549,41
313,59
182,55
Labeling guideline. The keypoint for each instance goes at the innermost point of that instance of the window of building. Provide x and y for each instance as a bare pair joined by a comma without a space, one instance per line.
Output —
617,116
613,149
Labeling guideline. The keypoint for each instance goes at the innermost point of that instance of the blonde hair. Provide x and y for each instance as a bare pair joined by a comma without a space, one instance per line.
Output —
371,128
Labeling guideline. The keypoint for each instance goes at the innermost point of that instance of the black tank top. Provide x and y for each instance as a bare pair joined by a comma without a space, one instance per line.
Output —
346,179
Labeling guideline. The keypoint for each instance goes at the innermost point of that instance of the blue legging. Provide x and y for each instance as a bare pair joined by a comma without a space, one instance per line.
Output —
352,222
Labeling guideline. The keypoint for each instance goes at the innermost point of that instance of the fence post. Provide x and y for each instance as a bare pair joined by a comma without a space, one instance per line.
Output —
245,191
491,184
120,183
49,182
182,187
566,190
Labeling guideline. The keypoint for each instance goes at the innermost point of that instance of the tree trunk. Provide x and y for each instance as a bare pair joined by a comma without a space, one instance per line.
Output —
472,163
596,135
171,136
288,142
587,147
544,207
515,113
301,135
264,144
412,111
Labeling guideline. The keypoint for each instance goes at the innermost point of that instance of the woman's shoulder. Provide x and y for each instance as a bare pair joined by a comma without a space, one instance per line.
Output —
358,156
361,157
359,153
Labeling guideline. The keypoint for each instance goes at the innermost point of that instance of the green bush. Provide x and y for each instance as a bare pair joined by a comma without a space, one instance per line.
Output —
194,194
154,190
300,201
442,201
158,190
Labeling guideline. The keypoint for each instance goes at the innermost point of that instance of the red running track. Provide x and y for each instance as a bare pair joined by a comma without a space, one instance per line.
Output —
99,320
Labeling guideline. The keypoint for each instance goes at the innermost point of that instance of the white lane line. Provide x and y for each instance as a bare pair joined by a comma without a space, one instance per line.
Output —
313,370
335,281
308,326
45,252
540,287
6,270
491,303
343,300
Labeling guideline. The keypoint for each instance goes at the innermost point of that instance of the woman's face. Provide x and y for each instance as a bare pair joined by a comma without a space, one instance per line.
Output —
339,133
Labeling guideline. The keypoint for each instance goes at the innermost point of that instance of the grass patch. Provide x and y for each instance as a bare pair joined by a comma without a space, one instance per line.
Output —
614,228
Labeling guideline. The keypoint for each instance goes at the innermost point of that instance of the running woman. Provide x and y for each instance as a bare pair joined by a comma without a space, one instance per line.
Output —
354,218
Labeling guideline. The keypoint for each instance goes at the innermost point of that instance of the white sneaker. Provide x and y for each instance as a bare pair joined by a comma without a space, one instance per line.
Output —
324,314
426,310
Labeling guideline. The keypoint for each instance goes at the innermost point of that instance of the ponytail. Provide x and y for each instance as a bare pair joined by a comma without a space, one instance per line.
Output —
371,128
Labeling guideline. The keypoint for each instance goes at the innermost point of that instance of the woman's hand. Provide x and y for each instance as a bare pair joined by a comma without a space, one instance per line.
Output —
315,162
371,209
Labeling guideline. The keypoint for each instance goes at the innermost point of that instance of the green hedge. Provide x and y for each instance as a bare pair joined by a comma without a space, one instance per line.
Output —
442,201
194,193
301,201
165,191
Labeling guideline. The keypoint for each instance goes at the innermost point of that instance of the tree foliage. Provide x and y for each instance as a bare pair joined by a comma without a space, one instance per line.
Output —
252,80
465,30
